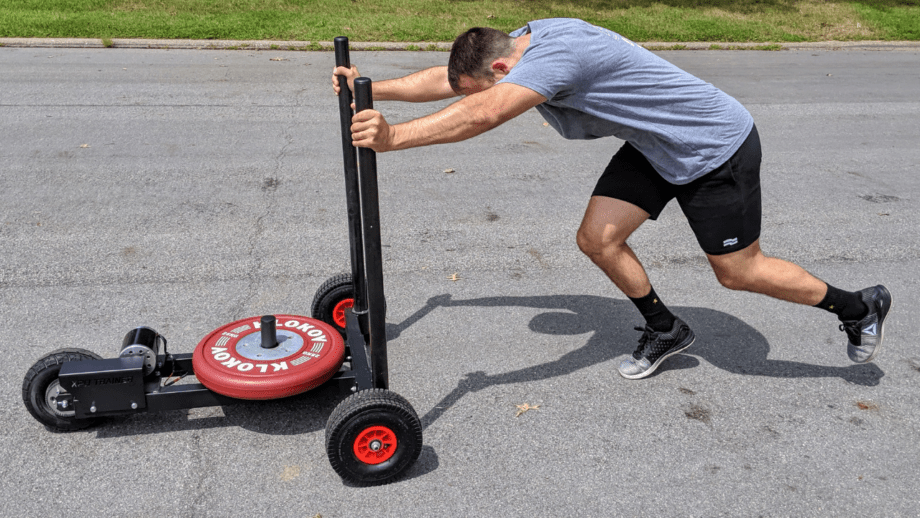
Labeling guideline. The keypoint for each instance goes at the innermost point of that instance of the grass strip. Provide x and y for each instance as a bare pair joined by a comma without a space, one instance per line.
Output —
410,21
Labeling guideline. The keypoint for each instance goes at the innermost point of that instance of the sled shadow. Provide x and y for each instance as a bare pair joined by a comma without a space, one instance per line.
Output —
295,415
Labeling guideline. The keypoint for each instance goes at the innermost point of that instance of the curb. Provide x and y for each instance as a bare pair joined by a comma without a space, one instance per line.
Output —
91,43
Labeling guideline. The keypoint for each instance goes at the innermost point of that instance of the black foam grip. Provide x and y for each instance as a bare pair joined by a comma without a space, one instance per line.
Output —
341,52
364,99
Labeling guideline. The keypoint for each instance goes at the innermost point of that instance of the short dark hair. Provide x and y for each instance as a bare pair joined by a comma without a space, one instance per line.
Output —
474,51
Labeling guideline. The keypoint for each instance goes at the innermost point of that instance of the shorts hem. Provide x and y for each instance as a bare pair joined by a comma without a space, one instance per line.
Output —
733,248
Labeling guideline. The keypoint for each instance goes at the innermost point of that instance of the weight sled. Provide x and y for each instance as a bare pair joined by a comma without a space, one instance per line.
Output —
373,436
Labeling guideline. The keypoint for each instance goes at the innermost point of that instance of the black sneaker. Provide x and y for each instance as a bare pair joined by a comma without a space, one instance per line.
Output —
654,347
865,336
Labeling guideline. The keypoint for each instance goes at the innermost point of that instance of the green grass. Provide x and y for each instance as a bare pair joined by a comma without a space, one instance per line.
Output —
898,20
413,21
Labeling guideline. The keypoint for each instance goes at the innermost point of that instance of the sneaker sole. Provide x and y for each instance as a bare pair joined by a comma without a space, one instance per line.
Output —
659,361
881,327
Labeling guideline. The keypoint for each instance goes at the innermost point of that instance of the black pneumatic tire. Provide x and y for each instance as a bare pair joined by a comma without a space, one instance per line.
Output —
358,422
329,298
42,380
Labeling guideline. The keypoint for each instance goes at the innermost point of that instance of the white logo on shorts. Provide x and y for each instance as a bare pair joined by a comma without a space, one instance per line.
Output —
730,242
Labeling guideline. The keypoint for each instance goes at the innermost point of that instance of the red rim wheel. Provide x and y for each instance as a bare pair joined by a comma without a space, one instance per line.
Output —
338,312
373,437
332,299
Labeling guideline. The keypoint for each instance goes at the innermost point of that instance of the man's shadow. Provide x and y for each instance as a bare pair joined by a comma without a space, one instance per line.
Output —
721,339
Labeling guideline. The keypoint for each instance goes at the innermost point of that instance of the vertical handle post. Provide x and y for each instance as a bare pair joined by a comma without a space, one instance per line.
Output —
352,190
373,252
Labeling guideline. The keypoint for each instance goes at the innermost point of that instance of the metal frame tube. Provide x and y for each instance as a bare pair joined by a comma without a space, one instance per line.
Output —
373,253
352,191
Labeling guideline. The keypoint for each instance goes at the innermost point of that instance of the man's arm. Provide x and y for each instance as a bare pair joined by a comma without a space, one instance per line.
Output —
466,118
423,86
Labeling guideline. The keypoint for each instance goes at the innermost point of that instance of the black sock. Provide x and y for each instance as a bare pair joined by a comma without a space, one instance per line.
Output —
847,305
656,314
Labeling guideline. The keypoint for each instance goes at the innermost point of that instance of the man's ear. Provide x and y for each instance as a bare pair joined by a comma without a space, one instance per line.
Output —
499,65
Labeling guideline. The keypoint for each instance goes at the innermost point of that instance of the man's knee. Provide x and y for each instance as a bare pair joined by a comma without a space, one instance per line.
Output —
738,270
732,280
607,224
594,243
739,276
586,241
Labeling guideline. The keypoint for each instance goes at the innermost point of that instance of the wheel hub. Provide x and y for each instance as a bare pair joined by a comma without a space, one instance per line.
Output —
375,445
53,393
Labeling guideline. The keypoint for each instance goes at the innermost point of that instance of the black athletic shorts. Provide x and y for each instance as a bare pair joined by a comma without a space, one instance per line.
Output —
723,207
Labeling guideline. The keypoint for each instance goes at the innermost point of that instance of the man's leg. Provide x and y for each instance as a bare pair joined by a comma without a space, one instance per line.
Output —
749,270
862,313
607,224
602,237
724,210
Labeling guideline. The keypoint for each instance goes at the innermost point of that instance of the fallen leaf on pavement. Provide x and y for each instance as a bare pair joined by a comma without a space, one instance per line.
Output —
524,408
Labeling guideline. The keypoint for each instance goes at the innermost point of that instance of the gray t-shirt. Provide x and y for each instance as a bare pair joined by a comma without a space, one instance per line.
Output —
600,84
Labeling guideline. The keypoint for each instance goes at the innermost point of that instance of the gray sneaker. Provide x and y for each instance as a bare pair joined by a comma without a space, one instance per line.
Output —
654,347
865,336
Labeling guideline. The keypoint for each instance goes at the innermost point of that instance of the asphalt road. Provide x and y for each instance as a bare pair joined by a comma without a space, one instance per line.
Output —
185,189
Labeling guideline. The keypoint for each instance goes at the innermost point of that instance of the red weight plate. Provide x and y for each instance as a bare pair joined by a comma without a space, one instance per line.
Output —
232,362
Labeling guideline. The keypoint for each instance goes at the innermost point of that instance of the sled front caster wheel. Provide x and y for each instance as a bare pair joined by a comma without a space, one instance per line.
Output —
373,437
44,397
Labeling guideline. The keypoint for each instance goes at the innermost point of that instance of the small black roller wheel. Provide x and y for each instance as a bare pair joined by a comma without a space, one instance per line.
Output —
373,437
332,299
41,391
